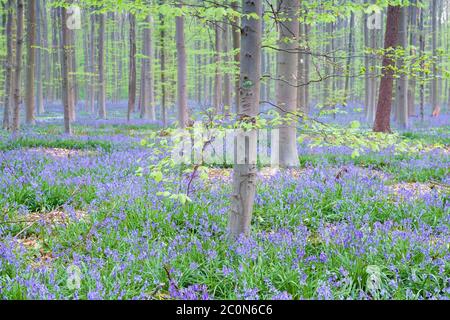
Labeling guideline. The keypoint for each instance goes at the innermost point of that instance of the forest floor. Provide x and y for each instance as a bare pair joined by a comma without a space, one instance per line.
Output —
77,221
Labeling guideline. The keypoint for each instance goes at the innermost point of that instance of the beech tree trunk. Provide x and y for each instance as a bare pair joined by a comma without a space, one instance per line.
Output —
181,72
402,87
413,42
422,73
147,95
434,82
236,47
244,172
132,66
349,59
9,66
18,63
40,88
286,90
65,70
227,79
383,113
163,68
30,102
101,68
217,103
92,76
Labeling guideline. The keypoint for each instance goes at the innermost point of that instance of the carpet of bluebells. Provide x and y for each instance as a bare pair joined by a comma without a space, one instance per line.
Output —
317,231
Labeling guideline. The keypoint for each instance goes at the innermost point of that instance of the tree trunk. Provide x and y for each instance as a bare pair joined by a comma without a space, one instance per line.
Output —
434,82
18,63
132,67
45,42
217,103
9,66
286,91
349,59
383,113
422,73
402,82
181,72
147,96
30,101
39,89
163,68
227,79
101,68
302,70
413,43
65,70
92,76
236,47
244,172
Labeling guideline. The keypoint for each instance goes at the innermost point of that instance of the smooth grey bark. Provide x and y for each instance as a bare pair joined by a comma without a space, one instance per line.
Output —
132,67
286,90
92,76
402,82
422,73
56,88
147,94
413,43
227,90
9,66
46,54
39,86
236,35
18,63
434,82
30,101
181,72
66,73
101,68
349,60
217,99
302,69
163,68
244,173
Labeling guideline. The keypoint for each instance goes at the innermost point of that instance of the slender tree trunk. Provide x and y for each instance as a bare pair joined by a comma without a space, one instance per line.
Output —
227,79
132,67
65,70
301,94
147,102
92,76
55,55
350,53
434,82
46,54
383,113
101,68
181,72
30,101
9,66
217,103
163,69
39,89
286,91
244,172
18,63
413,43
402,82
422,73
236,47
